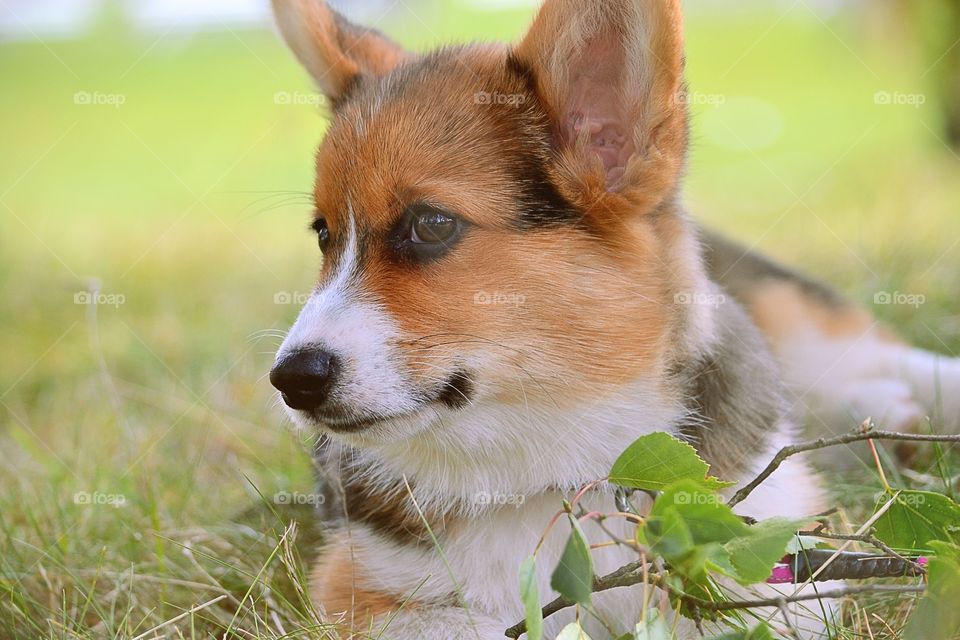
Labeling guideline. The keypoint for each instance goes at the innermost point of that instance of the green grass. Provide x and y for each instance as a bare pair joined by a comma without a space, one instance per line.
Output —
189,201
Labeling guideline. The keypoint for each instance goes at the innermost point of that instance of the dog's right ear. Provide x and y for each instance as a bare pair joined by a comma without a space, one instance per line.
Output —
335,52
611,75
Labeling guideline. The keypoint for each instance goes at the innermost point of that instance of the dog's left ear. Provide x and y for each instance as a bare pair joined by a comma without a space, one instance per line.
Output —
610,73
336,52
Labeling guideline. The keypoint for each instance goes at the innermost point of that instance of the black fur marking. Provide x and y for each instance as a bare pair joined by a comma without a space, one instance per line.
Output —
458,391
741,270
352,86
520,69
541,204
349,91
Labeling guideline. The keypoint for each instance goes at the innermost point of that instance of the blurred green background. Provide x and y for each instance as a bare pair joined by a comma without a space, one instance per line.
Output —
165,173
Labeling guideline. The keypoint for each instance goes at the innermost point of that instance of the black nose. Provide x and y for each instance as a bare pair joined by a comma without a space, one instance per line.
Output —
304,378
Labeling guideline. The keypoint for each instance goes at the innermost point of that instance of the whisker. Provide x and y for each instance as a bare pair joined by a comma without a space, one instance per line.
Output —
277,205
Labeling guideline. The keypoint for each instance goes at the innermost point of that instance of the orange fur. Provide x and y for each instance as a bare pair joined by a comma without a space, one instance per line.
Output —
783,310
334,51
340,587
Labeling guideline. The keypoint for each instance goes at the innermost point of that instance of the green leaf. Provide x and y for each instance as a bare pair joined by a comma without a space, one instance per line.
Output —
917,519
573,577
688,525
667,534
705,514
657,460
754,555
531,599
653,627
573,631
761,632
802,543
938,617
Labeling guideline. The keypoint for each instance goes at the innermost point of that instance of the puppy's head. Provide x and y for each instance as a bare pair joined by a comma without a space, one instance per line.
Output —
497,224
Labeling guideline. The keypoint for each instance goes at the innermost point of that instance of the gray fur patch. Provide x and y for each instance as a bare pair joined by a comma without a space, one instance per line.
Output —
736,399
742,271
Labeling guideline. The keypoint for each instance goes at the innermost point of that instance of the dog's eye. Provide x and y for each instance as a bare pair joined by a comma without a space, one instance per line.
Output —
323,233
432,227
426,232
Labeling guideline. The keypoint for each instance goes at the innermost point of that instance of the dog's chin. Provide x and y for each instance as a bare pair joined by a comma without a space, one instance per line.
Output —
370,430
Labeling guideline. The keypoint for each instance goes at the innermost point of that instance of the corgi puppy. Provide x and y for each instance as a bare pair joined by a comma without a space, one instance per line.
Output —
512,293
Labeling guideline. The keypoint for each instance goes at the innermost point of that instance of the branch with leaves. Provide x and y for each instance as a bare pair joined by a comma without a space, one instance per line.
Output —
692,536
631,575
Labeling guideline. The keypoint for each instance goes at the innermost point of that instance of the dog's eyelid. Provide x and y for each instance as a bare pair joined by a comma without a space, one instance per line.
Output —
429,206
426,207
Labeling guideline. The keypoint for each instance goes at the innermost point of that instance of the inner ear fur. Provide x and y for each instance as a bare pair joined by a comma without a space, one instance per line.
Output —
610,73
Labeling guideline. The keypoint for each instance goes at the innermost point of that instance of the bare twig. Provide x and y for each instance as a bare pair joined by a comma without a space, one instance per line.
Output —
785,612
822,443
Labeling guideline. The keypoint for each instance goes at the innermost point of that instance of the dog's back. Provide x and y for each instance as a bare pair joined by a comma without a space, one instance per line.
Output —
841,365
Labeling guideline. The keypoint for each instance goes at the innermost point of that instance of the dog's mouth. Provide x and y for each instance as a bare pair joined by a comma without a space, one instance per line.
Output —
456,393
345,423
